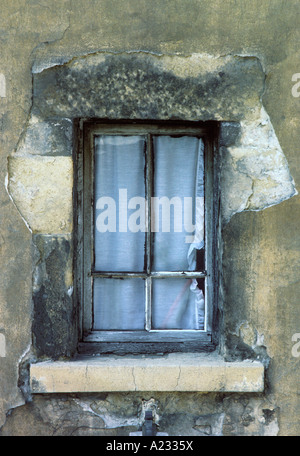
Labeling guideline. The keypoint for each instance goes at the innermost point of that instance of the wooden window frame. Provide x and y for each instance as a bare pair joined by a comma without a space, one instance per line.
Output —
148,340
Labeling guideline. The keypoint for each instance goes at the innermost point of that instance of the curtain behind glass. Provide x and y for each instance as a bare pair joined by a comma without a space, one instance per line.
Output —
119,176
178,179
119,304
178,175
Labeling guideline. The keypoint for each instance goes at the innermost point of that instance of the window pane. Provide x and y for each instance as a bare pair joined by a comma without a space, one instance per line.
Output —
119,304
177,304
178,203
119,203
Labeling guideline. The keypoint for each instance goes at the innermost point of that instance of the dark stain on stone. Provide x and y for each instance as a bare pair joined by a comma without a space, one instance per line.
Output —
237,350
54,322
129,86
269,415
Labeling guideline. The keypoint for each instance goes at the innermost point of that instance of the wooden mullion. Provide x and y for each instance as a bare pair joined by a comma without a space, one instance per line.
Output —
149,187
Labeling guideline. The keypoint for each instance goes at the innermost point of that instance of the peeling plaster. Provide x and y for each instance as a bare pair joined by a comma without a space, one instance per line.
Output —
258,167
6,184
211,424
42,65
111,421
254,171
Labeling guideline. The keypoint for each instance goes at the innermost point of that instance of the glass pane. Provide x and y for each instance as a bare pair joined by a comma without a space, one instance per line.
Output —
178,304
120,203
119,304
178,204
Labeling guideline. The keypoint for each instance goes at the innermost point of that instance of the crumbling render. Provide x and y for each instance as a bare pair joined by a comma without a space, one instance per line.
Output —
253,170
255,173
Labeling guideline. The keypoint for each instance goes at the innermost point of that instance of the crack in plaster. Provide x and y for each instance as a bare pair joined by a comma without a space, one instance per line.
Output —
44,65
247,124
270,182
32,58
133,377
51,42
248,203
178,378
6,184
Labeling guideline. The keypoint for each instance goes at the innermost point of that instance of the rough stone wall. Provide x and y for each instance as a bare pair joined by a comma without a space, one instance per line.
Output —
120,414
260,236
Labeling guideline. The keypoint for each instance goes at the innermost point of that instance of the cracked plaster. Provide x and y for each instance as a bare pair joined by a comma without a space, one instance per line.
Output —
254,172
136,85
270,30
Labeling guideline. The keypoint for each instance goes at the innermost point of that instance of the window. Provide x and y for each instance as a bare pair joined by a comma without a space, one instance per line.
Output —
146,224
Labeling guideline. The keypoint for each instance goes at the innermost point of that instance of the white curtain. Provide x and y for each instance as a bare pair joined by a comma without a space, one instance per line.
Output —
179,173
119,304
119,176
120,231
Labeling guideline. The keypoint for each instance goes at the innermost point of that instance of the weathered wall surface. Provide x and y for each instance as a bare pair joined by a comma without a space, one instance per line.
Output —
261,243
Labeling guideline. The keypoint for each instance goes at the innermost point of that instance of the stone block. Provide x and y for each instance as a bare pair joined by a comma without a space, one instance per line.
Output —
54,323
41,188
177,372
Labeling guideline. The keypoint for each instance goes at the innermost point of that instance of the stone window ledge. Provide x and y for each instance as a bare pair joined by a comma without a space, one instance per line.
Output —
173,372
